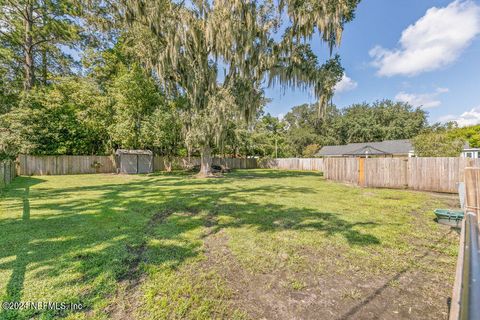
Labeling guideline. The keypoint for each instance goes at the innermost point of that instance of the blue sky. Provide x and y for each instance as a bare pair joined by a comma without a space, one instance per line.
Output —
426,52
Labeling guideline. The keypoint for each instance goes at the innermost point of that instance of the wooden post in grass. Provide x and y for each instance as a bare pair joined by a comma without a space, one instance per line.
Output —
464,289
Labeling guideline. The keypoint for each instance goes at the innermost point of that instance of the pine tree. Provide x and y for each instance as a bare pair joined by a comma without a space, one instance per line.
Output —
33,38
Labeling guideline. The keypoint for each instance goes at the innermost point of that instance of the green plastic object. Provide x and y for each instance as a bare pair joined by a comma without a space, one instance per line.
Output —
449,217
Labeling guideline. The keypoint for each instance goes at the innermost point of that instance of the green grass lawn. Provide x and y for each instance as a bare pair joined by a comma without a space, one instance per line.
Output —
254,244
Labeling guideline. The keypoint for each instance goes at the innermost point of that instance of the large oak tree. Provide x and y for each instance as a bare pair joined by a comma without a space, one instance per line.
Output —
220,54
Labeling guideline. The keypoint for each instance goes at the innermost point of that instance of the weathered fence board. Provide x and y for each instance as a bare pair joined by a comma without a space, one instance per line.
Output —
426,174
386,172
466,286
59,165
62,165
307,164
438,174
7,172
185,163
341,169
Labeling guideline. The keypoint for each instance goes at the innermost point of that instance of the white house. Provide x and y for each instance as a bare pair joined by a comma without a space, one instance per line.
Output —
470,152
388,148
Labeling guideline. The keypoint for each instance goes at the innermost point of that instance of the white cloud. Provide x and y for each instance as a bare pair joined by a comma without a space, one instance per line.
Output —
346,84
434,41
424,100
442,90
468,118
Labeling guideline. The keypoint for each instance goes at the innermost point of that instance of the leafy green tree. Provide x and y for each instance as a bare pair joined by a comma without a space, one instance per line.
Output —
306,128
311,150
383,120
162,131
437,144
135,98
470,134
237,141
8,93
193,42
60,119
269,138
33,35
299,138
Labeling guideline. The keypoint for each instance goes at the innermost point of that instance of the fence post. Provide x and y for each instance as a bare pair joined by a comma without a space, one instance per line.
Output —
406,173
466,289
361,172
472,189
2,174
9,178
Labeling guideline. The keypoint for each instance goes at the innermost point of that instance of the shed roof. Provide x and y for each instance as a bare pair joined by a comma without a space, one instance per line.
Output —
373,148
130,151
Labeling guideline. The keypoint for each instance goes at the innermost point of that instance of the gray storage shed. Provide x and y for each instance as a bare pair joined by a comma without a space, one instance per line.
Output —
134,161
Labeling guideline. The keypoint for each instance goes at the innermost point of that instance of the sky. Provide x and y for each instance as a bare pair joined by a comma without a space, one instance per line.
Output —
424,52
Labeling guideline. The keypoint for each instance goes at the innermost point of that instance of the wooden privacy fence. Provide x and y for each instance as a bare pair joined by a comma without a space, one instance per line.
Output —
7,172
60,165
466,288
384,172
427,174
307,164
341,169
444,176
185,163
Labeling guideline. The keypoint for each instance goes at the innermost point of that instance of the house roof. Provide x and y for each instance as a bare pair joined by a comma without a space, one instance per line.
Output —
467,146
128,151
371,148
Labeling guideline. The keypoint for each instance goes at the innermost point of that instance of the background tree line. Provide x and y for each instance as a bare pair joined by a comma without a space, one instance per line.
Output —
87,77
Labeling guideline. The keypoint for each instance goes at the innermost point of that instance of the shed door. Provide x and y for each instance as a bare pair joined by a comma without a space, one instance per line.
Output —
144,163
128,163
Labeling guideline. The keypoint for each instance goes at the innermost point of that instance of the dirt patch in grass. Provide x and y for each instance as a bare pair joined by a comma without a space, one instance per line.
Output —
411,293
127,300
128,296
157,218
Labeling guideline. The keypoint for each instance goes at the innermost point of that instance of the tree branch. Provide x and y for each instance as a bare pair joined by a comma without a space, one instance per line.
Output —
10,37
18,9
42,41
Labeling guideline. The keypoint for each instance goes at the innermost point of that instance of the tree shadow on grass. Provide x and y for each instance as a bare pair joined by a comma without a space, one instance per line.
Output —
91,237
352,312
271,174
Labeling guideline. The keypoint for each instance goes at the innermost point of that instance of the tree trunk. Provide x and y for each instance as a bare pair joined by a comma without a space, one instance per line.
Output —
28,49
44,67
205,162
44,49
